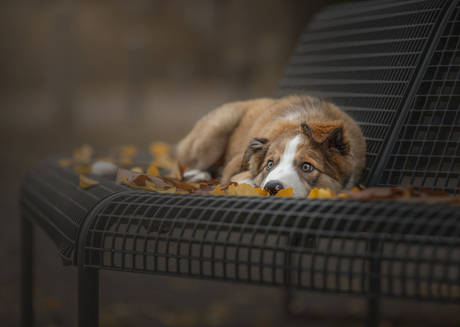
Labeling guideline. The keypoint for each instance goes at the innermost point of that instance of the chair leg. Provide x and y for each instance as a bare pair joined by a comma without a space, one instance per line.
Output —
88,297
373,302
27,317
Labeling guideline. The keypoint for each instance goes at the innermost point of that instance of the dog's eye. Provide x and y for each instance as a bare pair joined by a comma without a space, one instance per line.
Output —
270,164
307,167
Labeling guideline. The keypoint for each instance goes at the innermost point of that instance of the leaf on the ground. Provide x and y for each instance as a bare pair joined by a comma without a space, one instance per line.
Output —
128,150
322,193
153,170
285,192
131,176
226,185
242,189
86,182
83,153
185,186
83,169
141,179
218,191
138,170
159,149
262,192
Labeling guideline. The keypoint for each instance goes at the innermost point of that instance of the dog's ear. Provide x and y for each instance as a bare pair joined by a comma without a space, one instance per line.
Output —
328,134
257,147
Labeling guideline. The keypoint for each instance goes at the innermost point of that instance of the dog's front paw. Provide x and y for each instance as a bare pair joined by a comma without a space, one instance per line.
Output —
196,175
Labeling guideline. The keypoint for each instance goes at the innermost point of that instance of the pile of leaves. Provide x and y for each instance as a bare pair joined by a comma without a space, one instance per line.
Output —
156,176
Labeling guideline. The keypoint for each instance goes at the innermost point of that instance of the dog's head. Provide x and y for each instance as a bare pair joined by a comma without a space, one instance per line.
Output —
306,156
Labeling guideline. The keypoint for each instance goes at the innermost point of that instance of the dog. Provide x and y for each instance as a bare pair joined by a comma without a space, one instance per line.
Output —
298,142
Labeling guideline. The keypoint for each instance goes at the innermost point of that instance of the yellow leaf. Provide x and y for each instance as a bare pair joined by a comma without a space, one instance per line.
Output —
83,153
325,193
86,182
65,162
159,149
181,191
313,193
246,189
137,170
83,169
342,195
232,190
285,192
125,180
355,189
218,191
153,170
128,150
262,192
149,183
171,190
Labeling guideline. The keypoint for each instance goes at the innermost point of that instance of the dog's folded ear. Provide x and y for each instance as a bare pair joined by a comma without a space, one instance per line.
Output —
257,146
328,134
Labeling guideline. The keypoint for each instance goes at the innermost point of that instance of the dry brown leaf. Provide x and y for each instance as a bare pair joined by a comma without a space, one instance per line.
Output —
83,169
141,179
86,182
285,192
131,175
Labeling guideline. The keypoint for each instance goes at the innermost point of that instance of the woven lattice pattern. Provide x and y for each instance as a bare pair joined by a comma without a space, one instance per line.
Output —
427,150
363,57
322,245
50,195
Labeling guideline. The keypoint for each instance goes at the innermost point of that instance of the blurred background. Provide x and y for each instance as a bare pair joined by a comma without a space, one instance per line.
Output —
132,72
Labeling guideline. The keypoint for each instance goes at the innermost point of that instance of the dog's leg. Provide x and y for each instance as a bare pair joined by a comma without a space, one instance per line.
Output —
206,143
244,177
233,169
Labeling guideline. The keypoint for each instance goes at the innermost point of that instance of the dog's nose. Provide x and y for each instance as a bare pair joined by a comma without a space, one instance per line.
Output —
274,186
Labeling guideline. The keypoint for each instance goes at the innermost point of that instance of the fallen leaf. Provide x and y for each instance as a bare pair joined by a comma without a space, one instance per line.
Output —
141,179
131,176
128,150
86,182
83,153
171,190
285,192
322,193
325,193
313,193
83,169
138,170
232,190
159,149
218,191
263,192
185,186
153,170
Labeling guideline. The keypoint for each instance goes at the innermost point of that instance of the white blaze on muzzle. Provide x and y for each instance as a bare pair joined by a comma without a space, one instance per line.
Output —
285,171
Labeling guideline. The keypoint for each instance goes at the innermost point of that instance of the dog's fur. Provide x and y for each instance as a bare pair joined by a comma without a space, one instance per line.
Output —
293,133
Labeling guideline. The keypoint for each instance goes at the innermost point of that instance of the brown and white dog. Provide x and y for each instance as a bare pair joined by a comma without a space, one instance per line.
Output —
298,141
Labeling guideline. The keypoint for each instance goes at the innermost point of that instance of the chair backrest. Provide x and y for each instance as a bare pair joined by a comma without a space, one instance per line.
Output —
394,67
